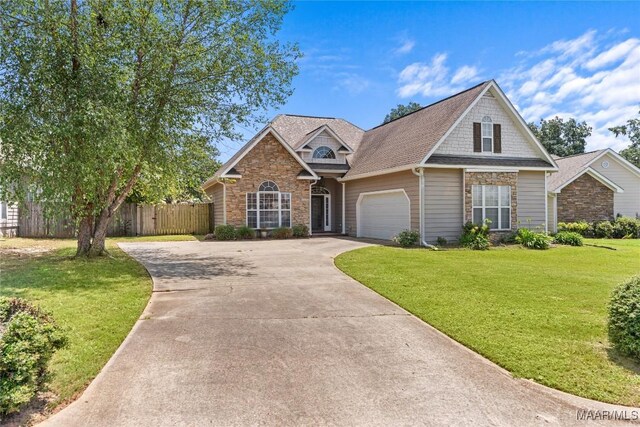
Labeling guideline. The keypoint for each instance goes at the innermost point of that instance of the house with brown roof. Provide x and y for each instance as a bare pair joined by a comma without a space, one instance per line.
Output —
468,157
594,186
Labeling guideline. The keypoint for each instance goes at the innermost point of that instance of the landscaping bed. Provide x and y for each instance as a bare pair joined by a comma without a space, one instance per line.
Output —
540,314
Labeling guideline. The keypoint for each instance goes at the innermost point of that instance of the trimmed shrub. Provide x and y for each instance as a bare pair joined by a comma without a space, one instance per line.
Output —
475,236
570,238
244,232
581,227
624,318
441,241
603,230
626,228
407,238
281,233
28,339
533,240
225,232
300,230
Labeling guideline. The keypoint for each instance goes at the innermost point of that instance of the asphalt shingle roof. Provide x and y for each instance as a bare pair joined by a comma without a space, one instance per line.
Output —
569,167
408,139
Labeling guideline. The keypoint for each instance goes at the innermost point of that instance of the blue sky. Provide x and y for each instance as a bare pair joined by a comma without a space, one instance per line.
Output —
569,59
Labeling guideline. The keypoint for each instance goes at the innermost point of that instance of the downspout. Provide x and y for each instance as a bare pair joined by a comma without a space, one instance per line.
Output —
344,225
419,172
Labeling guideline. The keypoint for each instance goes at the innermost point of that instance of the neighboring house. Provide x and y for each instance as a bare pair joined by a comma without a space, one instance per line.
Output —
468,157
594,186
8,219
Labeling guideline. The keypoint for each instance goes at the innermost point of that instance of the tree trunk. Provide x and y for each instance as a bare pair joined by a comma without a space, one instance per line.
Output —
100,234
84,236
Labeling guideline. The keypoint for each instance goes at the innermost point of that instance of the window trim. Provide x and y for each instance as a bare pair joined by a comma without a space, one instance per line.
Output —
257,210
4,210
330,150
486,120
500,206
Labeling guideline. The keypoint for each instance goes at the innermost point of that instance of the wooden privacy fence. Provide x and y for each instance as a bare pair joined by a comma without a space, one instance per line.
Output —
130,220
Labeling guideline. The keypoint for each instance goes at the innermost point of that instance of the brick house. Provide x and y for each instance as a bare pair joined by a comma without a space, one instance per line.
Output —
594,186
469,157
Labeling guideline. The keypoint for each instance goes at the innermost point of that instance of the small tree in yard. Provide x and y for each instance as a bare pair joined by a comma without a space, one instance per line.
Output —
101,97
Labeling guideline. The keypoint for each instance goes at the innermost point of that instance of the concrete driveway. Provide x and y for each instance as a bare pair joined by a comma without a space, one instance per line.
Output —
271,333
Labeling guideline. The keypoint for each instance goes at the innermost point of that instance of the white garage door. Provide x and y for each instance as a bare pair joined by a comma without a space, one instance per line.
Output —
383,215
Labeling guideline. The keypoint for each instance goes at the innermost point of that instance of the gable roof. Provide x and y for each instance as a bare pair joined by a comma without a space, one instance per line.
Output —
324,128
407,140
297,130
228,169
571,168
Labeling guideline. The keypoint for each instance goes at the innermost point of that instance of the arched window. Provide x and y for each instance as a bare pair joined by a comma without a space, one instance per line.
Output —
324,152
268,208
487,134
268,186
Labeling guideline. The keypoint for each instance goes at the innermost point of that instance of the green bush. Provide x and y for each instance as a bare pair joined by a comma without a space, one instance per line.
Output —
624,318
581,227
281,233
407,238
626,228
244,232
603,230
533,240
568,238
225,232
475,236
441,241
28,339
300,230
508,238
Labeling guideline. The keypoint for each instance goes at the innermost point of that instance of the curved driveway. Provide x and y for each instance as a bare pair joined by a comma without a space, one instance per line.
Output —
271,333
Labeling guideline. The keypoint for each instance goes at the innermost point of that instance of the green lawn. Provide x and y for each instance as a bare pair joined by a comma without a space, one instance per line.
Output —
96,301
540,314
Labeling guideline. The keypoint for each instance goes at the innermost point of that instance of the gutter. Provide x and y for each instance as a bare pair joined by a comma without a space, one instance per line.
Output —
419,172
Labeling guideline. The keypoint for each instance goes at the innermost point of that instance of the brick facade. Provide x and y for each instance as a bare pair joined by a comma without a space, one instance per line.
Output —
268,161
491,178
585,199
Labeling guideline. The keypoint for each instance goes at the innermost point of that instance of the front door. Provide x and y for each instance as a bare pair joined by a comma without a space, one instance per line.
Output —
317,213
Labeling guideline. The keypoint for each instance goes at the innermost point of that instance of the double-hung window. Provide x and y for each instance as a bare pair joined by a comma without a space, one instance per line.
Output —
3,210
492,202
487,134
269,207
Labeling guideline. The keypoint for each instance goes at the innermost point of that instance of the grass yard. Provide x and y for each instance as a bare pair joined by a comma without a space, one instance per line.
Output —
540,314
97,301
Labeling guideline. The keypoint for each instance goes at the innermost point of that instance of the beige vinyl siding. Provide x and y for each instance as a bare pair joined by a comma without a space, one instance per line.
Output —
551,214
443,209
627,203
216,193
400,180
323,139
531,199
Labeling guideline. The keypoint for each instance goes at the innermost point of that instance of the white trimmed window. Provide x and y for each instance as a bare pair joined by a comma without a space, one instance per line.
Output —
487,134
492,202
324,152
268,208
3,210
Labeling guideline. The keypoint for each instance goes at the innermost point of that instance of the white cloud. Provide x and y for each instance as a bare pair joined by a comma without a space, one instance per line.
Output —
432,79
590,78
406,46
464,74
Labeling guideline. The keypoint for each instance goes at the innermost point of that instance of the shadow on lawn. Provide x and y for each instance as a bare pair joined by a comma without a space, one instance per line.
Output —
623,361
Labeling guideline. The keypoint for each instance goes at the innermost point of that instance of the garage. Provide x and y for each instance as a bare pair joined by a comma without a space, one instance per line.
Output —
383,214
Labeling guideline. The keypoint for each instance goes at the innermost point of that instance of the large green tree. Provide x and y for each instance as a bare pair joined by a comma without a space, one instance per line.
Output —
562,138
98,97
632,131
401,110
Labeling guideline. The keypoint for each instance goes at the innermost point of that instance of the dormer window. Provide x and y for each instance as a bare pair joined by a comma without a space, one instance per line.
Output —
324,152
487,134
